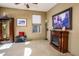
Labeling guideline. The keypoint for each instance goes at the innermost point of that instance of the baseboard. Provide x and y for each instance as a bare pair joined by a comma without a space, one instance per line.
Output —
71,53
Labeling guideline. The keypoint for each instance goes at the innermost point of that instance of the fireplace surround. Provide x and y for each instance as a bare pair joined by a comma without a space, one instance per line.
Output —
59,40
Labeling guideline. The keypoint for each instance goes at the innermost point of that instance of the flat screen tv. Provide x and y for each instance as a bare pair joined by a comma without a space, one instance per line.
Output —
62,19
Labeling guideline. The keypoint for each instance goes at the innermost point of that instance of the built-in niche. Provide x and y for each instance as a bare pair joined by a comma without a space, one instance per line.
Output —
5,30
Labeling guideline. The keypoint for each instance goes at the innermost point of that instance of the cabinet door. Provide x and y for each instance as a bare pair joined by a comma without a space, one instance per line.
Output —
0,31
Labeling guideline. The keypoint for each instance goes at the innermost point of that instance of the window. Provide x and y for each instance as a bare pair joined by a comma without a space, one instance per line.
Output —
36,21
36,28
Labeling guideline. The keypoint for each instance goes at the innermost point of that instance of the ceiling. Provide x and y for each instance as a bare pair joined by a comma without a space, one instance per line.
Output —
35,7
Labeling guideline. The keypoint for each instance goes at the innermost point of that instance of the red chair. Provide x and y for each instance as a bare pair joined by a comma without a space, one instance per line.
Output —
21,37
21,33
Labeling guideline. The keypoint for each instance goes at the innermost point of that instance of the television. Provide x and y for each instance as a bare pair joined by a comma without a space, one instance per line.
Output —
62,19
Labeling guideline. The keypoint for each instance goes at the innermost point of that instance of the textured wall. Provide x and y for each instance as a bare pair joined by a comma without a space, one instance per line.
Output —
16,13
73,42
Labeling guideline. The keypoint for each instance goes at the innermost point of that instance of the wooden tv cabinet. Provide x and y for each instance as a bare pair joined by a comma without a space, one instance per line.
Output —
63,40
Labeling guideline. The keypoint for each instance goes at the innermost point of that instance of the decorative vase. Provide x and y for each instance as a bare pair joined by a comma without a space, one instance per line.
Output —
63,28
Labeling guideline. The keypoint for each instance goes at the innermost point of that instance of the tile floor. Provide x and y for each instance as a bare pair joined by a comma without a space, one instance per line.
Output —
30,48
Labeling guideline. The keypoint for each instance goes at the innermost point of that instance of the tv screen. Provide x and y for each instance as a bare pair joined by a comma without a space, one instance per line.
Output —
63,19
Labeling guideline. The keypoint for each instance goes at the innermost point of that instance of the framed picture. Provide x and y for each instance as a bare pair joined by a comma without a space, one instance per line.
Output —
62,19
21,22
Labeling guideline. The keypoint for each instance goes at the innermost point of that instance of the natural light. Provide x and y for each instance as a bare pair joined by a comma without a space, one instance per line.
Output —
27,51
36,19
6,46
26,43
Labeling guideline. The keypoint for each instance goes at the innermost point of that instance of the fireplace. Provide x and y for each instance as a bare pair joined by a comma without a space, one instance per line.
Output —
59,40
55,40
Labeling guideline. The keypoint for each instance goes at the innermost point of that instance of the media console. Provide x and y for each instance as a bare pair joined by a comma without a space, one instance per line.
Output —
59,40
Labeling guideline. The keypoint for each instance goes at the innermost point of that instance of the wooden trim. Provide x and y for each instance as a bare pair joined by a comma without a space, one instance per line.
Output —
11,30
1,32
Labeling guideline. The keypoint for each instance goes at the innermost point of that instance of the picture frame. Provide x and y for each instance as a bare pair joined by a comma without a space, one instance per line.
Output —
63,19
21,22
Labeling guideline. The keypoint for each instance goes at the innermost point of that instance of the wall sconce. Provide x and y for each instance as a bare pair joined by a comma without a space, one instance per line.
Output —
4,14
46,21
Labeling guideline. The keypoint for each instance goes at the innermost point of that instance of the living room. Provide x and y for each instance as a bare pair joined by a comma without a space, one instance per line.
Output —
46,25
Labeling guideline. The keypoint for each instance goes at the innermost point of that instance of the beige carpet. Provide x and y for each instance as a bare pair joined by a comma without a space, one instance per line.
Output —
30,48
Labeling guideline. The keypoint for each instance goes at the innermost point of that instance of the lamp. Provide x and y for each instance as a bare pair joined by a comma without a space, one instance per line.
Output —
4,14
46,21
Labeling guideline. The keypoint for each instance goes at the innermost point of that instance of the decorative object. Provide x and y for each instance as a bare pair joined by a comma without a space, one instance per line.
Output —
63,19
4,29
21,22
4,14
63,28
